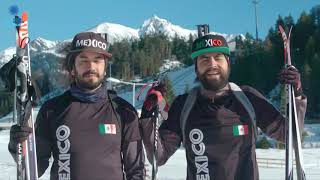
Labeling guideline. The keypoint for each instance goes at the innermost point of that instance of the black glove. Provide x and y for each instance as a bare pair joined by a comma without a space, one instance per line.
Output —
18,134
7,73
149,106
161,87
7,79
291,75
155,100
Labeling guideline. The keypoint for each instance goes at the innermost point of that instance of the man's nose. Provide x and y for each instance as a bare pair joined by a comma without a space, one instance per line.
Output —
90,64
212,61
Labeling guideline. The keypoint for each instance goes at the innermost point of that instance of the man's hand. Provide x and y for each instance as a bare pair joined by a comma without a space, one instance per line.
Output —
291,75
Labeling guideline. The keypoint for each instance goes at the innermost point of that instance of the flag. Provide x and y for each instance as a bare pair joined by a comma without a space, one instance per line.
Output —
240,130
107,129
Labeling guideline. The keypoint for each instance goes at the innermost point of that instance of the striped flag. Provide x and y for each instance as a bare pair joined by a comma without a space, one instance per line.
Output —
107,129
240,130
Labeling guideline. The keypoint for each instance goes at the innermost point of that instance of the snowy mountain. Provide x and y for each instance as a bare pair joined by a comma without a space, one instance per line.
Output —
156,25
6,55
41,44
116,33
38,45
47,56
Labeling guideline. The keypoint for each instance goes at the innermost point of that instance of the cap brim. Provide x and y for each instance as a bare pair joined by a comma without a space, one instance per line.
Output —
108,55
224,50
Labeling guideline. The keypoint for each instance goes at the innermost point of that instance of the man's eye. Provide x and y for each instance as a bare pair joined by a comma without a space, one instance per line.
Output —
83,57
205,58
219,57
83,61
98,61
99,57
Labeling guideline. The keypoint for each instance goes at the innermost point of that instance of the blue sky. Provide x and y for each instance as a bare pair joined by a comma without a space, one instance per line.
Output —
61,19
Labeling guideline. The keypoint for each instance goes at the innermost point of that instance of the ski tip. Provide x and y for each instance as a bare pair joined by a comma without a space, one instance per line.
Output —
290,30
14,10
24,16
281,29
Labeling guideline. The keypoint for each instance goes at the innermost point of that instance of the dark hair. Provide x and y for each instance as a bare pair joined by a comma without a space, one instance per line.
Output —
69,61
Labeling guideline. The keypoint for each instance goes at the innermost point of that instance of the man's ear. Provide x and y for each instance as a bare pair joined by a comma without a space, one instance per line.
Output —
197,74
72,72
196,66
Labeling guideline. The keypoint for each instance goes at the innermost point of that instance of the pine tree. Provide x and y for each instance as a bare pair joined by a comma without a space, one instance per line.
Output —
263,144
315,84
170,96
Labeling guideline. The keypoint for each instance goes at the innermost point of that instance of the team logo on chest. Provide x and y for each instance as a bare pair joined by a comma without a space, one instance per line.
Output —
107,129
63,143
199,148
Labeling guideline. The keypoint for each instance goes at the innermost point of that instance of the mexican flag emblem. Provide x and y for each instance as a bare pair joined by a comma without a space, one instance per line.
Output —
240,130
107,129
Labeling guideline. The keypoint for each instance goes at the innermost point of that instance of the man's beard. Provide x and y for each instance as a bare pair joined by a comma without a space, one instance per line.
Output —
88,84
214,84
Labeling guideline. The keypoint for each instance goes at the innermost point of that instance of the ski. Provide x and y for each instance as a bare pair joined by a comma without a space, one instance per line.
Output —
293,139
23,94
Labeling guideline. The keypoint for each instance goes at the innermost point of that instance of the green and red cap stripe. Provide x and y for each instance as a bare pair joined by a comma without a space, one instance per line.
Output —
210,43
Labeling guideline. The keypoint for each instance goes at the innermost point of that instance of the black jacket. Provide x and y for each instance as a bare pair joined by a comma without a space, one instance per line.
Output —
213,149
87,142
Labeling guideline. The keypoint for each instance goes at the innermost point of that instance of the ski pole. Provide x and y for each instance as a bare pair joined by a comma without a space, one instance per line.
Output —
155,147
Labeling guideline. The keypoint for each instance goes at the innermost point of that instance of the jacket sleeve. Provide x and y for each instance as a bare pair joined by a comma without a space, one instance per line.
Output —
132,148
169,135
133,159
43,141
269,118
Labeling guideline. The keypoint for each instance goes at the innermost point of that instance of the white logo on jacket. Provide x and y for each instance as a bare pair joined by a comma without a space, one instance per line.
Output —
198,148
63,143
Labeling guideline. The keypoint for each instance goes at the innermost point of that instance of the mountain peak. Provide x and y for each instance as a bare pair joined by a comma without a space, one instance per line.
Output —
155,25
116,32
42,44
156,20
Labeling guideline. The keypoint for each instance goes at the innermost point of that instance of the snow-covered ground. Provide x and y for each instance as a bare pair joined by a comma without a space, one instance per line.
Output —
175,168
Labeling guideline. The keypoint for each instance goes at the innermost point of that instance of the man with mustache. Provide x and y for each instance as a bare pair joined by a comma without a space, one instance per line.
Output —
89,131
216,128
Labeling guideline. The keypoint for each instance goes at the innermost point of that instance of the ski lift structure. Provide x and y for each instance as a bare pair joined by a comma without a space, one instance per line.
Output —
133,84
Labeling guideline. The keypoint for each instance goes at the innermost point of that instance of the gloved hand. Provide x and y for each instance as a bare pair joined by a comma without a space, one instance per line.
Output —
18,134
7,79
7,74
155,99
291,75
149,106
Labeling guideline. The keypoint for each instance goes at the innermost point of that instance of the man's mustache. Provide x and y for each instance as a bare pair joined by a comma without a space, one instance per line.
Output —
213,69
90,73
